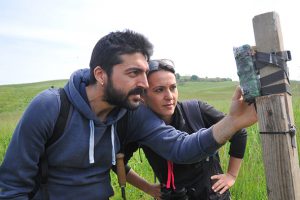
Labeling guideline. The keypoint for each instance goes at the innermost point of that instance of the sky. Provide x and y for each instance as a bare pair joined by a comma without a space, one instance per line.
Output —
49,39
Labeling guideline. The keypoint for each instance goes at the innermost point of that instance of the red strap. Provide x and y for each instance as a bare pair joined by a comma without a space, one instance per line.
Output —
170,176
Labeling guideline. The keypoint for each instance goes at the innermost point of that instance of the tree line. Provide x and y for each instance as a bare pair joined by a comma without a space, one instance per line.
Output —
181,78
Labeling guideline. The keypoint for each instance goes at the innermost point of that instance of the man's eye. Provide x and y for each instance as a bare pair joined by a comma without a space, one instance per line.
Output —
133,73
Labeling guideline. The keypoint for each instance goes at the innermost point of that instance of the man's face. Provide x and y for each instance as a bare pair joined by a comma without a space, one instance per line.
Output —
127,81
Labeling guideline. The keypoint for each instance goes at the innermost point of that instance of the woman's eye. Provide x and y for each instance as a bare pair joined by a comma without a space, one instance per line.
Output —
159,90
173,88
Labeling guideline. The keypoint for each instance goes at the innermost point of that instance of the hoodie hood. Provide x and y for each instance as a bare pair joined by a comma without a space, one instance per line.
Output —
78,81
80,78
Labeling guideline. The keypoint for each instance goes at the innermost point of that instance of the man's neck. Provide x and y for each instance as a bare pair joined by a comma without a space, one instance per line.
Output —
95,96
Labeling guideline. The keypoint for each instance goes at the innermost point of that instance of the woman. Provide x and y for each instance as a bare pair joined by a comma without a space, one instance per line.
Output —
202,180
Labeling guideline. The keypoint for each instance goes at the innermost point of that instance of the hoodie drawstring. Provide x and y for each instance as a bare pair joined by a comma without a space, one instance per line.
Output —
113,153
92,142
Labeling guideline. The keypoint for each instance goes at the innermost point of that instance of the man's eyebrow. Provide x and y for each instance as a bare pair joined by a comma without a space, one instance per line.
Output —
134,68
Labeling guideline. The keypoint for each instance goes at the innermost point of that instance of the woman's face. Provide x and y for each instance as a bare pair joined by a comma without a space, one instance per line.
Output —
162,94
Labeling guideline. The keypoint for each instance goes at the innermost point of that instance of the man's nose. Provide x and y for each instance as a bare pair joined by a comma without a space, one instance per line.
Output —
143,81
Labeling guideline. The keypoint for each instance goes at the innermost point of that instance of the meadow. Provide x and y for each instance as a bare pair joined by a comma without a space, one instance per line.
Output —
251,182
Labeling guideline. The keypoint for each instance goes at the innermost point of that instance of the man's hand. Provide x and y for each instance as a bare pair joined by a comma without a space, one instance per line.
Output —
241,115
223,183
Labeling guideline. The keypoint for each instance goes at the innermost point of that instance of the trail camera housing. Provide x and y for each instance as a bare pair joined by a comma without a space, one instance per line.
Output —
249,62
248,75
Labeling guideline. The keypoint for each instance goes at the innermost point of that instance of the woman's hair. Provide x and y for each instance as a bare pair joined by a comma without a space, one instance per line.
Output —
161,65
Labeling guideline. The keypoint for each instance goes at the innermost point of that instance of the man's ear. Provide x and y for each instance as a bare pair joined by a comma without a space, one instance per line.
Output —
100,75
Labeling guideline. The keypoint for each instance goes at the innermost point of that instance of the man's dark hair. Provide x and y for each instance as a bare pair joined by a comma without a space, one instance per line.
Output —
108,50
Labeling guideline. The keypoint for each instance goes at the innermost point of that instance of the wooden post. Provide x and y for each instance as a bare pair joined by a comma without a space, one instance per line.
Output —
275,114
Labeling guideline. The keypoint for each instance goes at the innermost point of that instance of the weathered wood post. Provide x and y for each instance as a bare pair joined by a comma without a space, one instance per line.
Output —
275,115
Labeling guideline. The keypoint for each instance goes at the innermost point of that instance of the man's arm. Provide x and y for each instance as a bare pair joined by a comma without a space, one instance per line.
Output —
211,116
20,164
241,115
184,148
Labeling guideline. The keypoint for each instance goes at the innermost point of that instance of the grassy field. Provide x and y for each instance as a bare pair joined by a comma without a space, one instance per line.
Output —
251,181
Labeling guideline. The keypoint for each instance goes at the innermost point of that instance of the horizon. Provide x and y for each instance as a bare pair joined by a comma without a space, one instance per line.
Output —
11,84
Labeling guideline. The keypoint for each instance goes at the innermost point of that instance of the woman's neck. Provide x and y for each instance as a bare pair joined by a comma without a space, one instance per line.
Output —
167,119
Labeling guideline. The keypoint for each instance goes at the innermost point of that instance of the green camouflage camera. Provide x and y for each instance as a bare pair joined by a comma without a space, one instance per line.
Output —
248,74
249,62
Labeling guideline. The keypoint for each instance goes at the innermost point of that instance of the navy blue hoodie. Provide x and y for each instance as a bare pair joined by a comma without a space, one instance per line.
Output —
80,160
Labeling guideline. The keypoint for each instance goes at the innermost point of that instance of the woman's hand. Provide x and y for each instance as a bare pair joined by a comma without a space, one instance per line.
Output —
223,182
154,190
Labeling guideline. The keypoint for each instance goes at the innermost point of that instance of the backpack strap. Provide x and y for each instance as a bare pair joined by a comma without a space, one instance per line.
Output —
192,113
59,127
126,148
57,131
121,131
192,116
211,166
62,117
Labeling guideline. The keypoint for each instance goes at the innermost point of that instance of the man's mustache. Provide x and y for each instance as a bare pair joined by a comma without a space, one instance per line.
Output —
135,91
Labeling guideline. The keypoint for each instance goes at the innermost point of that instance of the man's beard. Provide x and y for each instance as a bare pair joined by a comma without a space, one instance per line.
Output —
119,98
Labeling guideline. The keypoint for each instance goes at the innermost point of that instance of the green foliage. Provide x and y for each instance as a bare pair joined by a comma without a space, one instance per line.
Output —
194,78
177,76
181,79
251,182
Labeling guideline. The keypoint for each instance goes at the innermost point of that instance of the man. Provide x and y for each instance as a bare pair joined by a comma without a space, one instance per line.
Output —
80,160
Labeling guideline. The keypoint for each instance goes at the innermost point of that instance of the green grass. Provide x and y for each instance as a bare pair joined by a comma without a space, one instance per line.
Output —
16,97
13,101
251,182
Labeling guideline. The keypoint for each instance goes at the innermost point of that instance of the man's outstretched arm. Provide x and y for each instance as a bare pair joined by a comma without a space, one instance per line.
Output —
241,115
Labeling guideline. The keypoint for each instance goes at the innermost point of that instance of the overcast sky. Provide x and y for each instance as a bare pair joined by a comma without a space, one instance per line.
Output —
49,39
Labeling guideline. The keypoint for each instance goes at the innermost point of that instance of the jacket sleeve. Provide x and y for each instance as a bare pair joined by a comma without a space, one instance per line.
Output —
20,164
168,142
237,142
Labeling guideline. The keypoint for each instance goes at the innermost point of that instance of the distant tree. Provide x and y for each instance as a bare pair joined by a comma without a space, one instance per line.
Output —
177,76
194,78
